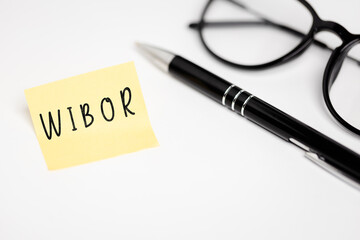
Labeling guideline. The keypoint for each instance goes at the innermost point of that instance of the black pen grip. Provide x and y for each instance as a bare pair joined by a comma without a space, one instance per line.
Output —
198,78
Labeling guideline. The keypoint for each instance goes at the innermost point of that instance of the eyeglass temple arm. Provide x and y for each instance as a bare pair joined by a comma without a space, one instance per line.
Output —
196,25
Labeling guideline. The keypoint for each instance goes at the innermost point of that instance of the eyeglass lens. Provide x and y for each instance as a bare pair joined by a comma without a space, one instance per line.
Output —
345,91
237,31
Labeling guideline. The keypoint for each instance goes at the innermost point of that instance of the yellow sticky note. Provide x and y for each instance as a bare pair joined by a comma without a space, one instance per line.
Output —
90,117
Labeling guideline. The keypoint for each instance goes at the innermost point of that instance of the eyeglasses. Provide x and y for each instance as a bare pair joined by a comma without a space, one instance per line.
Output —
248,35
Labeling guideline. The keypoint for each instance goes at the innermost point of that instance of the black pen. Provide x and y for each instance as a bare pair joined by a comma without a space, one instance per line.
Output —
335,158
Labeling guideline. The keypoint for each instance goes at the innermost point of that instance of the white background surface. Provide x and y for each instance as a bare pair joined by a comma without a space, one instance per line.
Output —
215,174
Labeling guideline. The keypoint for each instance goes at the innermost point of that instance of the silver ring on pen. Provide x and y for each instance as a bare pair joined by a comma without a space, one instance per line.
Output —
234,100
244,105
226,93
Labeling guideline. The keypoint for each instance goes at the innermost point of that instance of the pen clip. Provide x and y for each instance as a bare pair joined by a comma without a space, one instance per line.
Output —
334,171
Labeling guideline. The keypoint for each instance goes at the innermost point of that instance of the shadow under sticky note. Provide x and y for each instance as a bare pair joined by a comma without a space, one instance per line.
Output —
90,117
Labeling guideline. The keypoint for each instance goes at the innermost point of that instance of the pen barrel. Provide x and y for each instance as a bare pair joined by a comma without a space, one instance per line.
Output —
198,78
287,127
267,116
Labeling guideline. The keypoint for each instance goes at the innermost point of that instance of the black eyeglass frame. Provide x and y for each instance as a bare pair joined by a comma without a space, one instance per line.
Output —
333,66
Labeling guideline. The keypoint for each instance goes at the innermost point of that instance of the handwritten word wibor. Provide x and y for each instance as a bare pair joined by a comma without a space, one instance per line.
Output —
88,119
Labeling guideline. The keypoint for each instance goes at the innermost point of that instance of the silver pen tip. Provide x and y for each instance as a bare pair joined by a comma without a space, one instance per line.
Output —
161,58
